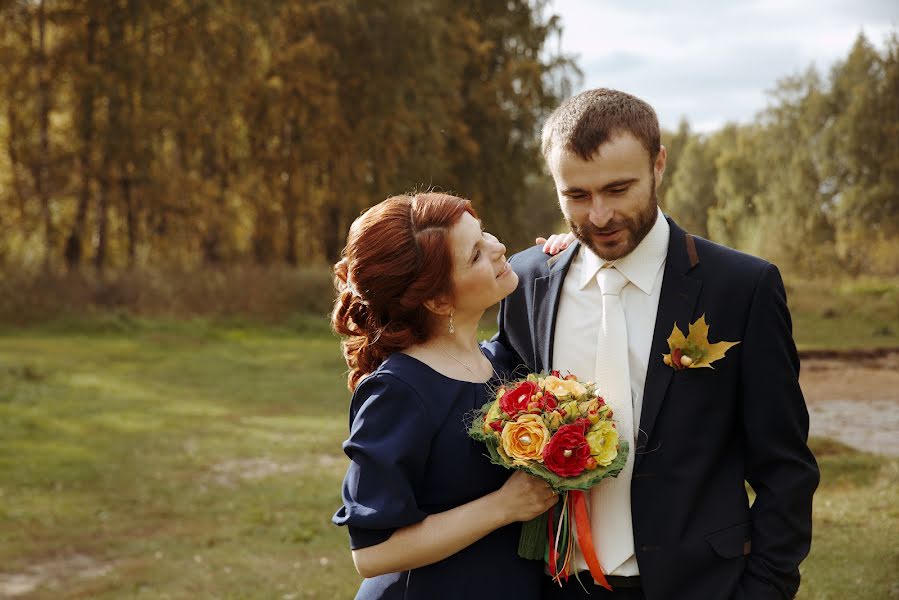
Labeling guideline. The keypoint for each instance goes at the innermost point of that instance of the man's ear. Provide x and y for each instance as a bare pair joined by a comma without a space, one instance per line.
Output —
659,166
439,306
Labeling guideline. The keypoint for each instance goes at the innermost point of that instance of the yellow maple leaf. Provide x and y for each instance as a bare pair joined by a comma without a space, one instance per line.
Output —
696,346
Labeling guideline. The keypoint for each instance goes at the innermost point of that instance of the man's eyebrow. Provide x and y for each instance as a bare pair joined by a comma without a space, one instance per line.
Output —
620,182
571,190
612,184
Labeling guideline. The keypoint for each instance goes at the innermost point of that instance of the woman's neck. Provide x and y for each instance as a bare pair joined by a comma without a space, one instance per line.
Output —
456,354
463,339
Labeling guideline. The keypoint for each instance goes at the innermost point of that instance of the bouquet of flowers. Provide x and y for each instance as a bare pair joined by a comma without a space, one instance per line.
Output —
559,429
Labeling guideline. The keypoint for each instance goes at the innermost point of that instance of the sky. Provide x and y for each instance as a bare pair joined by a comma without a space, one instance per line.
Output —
713,61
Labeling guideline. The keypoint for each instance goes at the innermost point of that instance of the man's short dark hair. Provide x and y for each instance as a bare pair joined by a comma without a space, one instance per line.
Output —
585,122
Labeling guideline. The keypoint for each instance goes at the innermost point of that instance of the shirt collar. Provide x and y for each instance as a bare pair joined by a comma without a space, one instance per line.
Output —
640,266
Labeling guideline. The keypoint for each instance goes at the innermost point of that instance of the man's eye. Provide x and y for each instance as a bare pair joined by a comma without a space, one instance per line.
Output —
618,190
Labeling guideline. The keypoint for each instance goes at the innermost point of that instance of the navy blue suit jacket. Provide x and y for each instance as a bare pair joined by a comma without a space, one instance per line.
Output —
703,432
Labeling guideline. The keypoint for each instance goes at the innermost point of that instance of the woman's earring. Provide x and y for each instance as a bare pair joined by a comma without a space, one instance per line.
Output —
451,328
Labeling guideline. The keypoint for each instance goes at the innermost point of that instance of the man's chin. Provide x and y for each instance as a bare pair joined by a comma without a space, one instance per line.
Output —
611,250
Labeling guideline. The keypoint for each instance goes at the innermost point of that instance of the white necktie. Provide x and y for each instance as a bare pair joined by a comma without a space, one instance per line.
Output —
610,501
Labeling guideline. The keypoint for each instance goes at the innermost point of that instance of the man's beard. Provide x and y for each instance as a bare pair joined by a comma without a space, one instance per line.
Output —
637,228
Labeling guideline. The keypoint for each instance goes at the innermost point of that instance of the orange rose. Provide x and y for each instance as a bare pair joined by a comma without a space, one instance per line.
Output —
524,439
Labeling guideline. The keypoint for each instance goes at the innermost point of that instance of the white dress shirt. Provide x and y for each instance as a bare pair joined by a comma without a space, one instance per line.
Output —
580,316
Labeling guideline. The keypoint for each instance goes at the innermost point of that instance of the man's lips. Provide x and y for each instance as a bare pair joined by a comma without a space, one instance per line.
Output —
605,235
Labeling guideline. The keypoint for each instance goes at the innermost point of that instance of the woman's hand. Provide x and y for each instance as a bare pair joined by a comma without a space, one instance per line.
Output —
440,535
524,497
556,242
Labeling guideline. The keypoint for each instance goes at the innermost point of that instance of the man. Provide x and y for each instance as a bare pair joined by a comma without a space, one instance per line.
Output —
677,522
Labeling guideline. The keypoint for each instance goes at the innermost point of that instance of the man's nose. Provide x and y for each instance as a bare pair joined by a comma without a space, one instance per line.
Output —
600,212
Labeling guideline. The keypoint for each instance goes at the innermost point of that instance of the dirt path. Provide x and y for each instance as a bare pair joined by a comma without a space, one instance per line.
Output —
854,397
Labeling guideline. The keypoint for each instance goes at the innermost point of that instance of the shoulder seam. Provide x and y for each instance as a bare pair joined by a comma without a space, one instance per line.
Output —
421,402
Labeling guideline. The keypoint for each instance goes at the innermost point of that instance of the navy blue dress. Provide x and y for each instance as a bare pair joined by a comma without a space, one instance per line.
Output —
411,457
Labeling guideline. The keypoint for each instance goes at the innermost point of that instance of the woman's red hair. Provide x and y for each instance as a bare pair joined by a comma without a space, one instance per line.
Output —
397,256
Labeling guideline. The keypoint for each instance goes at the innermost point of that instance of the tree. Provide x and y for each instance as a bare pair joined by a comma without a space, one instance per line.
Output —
691,192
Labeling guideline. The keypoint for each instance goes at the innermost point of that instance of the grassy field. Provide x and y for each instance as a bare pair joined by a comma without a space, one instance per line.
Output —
155,459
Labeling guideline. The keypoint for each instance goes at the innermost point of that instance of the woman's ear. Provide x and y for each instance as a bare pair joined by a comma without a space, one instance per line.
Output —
440,306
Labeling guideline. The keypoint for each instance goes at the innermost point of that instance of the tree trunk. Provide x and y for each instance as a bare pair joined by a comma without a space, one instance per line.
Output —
41,175
13,153
103,216
74,243
113,131
130,218
291,206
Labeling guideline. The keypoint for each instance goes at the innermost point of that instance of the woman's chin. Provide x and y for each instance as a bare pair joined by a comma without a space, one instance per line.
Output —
508,283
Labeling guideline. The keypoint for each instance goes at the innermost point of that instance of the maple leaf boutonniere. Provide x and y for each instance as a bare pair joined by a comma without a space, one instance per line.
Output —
694,350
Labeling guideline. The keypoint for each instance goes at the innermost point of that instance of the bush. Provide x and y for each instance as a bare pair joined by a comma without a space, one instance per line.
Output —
267,294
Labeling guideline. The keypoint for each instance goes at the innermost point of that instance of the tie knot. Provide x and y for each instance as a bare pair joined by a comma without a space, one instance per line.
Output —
610,281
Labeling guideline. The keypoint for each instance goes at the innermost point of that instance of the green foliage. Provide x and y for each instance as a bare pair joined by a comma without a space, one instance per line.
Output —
172,133
692,189
812,183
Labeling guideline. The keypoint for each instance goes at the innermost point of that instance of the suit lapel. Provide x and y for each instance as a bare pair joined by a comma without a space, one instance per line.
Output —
676,305
547,291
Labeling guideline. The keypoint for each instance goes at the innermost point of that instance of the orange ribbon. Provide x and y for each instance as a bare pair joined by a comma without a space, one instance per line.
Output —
585,538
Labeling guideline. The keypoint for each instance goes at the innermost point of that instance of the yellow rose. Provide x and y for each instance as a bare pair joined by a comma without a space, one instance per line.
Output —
571,411
589,406
603,441
563,388
556,387
574,388
494,413
553,420
524,439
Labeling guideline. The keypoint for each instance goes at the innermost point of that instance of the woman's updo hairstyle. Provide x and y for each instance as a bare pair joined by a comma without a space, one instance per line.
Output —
397,256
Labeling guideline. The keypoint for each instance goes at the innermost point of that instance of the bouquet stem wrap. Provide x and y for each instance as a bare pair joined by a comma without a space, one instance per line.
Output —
532,544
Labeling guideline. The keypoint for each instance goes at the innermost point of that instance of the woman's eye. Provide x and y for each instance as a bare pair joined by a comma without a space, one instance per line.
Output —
477,255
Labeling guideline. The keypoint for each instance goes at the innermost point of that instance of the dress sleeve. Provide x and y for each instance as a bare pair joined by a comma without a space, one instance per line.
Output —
388,447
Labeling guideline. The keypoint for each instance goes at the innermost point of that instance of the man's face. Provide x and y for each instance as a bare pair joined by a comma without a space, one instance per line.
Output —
610,200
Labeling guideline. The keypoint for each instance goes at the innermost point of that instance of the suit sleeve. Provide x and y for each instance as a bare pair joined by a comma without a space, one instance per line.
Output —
779,465
499,347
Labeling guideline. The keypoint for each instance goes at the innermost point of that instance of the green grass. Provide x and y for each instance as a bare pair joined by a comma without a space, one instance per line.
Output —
844,314
198,461
202,460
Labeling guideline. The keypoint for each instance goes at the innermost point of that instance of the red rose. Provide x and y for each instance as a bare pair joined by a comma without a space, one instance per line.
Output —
567,452
548,402
555,373
516,401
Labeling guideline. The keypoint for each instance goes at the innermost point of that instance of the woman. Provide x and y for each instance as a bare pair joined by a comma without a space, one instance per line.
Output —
428,515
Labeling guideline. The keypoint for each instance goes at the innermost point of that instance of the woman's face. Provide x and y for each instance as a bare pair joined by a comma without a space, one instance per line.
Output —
481,275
